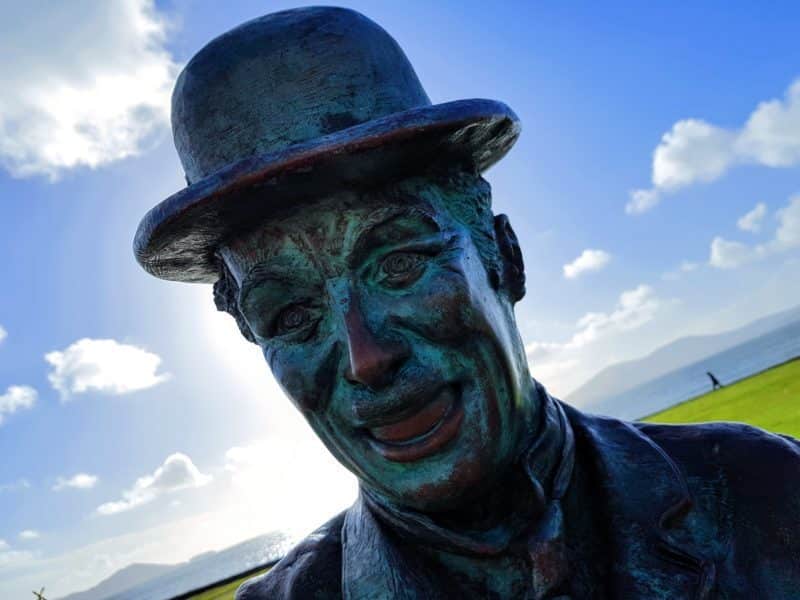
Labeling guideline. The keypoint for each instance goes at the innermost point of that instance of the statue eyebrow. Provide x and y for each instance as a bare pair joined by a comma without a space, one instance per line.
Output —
258,275
387,230
384,229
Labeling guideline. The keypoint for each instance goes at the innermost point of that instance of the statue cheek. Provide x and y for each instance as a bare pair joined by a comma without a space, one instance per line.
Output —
442,311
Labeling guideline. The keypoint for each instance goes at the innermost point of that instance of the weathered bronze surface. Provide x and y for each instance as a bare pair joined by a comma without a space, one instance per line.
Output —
347,228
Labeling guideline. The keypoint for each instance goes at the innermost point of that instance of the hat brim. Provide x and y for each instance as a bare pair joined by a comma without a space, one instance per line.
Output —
178,238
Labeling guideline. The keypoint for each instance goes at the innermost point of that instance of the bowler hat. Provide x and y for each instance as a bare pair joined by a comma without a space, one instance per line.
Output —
291,106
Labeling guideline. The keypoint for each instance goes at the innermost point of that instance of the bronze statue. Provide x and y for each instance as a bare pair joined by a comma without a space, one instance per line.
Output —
345,225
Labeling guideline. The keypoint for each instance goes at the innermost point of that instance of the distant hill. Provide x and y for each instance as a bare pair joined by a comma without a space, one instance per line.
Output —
121,581
621,377
156,582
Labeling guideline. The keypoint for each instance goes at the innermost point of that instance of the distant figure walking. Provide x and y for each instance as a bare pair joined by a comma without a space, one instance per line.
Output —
715,384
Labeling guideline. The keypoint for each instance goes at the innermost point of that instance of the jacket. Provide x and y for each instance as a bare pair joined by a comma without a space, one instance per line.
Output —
708,511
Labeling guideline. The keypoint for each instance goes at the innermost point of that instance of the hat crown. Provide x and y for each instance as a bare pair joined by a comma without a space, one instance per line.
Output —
286,78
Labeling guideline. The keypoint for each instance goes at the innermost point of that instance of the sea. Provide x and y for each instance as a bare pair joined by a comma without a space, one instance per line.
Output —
730,365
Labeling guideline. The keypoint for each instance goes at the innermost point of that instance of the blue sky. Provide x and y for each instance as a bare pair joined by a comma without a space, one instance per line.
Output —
163,431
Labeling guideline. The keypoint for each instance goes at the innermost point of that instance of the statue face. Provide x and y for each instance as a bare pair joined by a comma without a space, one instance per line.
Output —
378,319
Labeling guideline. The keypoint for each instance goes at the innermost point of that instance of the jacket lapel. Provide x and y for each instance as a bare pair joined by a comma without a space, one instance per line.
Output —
648,506
373,566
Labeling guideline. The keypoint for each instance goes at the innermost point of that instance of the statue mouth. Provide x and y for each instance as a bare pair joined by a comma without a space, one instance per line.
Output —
422,433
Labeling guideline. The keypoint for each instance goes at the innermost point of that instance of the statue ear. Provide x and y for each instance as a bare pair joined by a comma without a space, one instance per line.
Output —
513,268
226,294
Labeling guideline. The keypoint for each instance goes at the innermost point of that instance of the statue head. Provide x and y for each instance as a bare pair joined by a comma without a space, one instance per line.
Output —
345,225
387,317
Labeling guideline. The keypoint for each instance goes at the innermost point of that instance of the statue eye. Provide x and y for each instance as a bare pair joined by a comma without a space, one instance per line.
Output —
291,319
402,267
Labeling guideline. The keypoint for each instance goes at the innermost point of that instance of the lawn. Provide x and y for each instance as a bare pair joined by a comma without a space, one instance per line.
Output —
225,591
770,400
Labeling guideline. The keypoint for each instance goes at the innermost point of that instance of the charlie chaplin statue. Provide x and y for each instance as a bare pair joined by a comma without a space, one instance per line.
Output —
345,225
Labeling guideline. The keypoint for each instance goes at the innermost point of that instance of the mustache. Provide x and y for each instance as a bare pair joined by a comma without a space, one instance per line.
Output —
412,387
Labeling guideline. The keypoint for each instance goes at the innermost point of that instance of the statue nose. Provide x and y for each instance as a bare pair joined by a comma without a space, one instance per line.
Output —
372,362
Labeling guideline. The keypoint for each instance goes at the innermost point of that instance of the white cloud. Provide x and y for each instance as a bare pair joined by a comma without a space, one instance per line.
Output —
685,267
634,308
89,83
597,338
641,201
727,254
3,544
17,397
29,534
589,260
788,234
178,472
104,366
80,481
695,151
751,221
730,255
3,333
771,136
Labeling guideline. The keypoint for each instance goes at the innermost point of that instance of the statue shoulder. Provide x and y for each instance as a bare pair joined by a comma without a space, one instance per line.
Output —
722,445
742,482
745,464
312,569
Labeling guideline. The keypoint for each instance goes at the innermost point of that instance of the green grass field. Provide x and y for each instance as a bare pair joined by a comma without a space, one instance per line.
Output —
226,591
770,400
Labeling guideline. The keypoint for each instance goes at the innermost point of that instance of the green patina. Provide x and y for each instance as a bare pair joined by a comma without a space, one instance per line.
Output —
412,272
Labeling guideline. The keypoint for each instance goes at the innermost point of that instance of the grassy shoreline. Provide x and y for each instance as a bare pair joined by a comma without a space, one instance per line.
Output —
225,590
769,399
